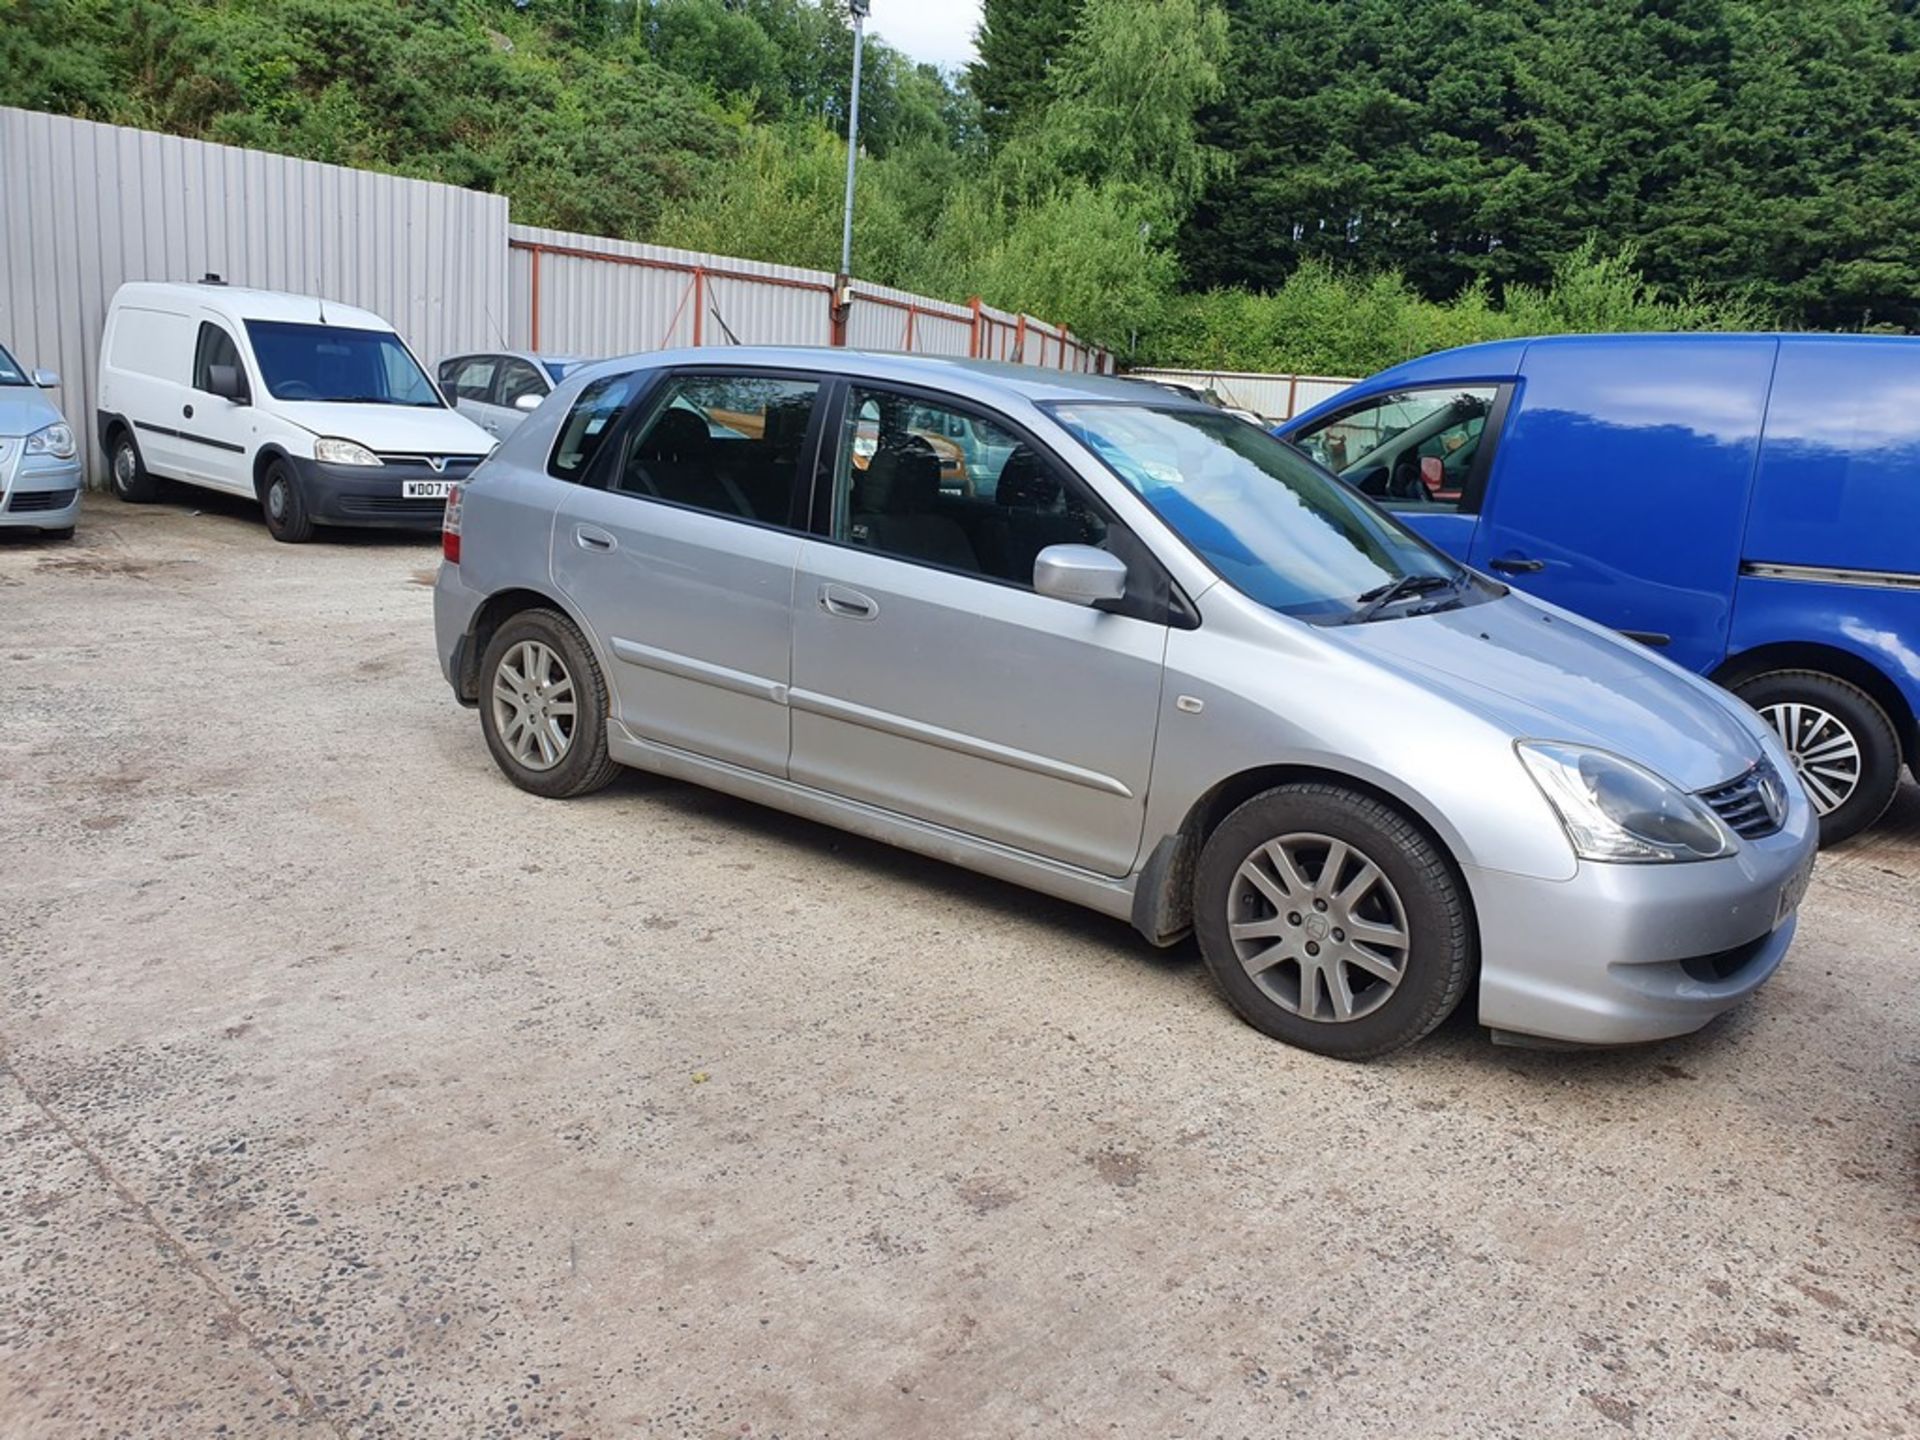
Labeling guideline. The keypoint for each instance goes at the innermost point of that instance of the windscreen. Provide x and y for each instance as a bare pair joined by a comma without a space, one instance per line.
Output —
10,371
1273,525
332,363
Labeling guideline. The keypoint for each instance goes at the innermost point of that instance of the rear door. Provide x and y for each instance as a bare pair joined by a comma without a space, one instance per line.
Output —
680,551
1423,452
1621,484
931,680
467,381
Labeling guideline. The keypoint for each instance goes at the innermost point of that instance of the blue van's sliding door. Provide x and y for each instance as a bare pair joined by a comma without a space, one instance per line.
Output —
1620,487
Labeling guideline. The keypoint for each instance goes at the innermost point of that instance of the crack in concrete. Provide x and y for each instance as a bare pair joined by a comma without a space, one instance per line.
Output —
171,1243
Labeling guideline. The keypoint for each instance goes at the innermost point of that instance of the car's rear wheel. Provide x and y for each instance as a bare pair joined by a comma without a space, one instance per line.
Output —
543,707
1332,922
1844,748
127,472
284,506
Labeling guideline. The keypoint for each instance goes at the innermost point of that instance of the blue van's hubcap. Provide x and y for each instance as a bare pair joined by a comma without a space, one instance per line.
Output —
1825,754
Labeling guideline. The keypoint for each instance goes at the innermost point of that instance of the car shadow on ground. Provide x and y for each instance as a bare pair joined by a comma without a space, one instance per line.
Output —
1461,1039
237,510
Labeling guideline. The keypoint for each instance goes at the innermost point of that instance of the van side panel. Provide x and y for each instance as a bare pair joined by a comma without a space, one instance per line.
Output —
1621,482
154,343
1839,483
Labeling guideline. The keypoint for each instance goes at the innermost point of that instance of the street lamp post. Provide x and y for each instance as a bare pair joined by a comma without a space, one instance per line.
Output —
843,287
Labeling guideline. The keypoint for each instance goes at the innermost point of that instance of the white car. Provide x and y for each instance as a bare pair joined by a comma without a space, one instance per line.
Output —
497,389
317,409
39,467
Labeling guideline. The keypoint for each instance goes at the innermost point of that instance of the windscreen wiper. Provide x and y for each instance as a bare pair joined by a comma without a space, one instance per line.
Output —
1373,601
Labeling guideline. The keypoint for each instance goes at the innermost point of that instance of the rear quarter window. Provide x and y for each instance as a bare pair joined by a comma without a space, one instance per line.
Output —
594,412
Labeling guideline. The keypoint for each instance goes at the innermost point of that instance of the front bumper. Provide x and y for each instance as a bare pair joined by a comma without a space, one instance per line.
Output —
1628,953
371,496
39,494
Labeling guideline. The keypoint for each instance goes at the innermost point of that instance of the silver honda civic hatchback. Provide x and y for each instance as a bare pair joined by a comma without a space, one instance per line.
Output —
1130,651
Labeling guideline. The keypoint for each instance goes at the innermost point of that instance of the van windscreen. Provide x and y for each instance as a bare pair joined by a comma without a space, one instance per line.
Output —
331,363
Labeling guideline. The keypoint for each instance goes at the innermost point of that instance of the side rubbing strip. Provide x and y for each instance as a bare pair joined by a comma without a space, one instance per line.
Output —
667,662
1826,575
890,724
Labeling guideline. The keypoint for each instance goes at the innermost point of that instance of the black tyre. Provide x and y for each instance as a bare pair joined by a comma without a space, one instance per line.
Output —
543,707
284,506
127,472
1332,922
1844,748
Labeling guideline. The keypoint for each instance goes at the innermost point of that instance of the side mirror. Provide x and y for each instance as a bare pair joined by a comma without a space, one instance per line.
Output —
227,382
528,401
1079,574
46,379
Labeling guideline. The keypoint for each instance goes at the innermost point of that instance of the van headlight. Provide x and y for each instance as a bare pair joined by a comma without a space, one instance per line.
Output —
329,451
55,442
1616,810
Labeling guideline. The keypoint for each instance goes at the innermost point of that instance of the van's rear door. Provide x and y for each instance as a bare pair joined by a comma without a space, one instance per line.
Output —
1620,486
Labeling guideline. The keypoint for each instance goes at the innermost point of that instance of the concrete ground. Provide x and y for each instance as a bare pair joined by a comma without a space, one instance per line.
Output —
347,1091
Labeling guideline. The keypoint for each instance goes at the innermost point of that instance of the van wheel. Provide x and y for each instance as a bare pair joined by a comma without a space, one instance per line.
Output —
543,707
1844,748
284,506
1332,922
128,472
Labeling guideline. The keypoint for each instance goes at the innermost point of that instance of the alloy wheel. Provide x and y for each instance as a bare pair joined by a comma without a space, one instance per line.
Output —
1319,927
1825,753
534,705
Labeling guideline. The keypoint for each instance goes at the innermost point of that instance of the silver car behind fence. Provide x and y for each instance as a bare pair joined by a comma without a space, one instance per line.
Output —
1124,649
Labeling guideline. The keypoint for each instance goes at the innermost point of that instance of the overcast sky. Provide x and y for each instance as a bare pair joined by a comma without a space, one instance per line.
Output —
937,30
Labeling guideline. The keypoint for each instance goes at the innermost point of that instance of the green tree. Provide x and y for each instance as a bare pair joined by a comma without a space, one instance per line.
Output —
1017,44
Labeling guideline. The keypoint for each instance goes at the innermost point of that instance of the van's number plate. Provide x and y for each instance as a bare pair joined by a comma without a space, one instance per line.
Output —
425,489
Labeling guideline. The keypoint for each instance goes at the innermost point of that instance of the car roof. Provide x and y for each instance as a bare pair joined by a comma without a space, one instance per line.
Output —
237,303
535,357
1032,382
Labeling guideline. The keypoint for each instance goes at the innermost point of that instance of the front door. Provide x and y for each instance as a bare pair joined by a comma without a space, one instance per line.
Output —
931,680
218,435
680,555
1621,489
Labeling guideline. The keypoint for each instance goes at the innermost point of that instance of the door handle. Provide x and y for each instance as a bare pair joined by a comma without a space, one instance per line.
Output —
1516,565
589,537
848,604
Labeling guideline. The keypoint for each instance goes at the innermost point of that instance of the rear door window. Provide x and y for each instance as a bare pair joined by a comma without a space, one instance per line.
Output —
729,444
1411,449
469,379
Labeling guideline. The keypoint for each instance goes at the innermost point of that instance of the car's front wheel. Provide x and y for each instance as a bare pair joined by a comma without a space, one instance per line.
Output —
543,707
284,506
1332,922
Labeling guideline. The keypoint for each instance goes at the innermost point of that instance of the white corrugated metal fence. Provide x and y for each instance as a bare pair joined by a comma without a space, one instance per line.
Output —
85,207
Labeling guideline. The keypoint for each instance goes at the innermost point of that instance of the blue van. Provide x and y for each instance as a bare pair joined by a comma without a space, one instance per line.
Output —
1749,505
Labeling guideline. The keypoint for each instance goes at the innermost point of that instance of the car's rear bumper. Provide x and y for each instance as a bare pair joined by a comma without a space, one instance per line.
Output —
454,606
372,496
1627,953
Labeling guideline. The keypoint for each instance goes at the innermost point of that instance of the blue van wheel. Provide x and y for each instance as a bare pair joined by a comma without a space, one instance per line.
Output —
1844,748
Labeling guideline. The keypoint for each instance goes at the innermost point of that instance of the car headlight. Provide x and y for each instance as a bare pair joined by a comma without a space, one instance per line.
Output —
55,441
343,452
1616,810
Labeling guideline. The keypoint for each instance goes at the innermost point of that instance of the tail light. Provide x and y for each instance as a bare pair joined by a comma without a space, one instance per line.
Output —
450,528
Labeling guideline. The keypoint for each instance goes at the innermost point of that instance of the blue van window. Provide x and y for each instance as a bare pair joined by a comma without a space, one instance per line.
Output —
1411,449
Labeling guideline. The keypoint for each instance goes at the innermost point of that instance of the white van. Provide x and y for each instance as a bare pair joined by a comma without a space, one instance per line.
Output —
318,410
